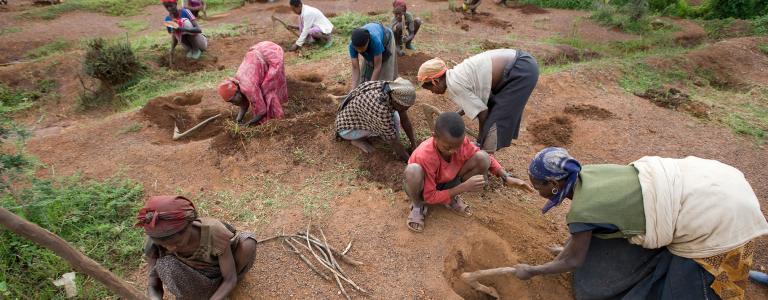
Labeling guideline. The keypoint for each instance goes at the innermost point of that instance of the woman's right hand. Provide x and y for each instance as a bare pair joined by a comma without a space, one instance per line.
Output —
474,184
523,271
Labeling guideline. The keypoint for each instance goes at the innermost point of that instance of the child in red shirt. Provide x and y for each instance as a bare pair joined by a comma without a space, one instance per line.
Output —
447,165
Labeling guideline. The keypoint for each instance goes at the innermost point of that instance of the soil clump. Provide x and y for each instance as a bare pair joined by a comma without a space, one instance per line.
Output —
589,112
555,131
674,99
530,9
484,252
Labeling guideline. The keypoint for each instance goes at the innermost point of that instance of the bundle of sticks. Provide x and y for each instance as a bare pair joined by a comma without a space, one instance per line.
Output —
304,242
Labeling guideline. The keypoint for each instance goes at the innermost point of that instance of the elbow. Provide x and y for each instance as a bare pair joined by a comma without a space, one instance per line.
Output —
572,264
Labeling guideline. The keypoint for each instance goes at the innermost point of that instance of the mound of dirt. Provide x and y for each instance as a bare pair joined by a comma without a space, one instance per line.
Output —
181,110
487,19
306,97
383,168
187,65
673,98
589,112
530,9
408,65
479,254
545,54
690,34
555,131
310,77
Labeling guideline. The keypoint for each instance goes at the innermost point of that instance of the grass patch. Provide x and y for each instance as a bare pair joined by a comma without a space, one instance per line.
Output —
219,6
344,23
133,26
133,128
13,100
96,217
639,77
741,126
54,47
566,4
8,30
763,48
110,7
162,81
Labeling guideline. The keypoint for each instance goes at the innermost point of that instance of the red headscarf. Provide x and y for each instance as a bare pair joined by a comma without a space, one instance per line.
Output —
228,88
163,216
400,4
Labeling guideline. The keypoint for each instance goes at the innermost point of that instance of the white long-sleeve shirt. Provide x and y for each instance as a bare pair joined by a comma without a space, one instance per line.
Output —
311,16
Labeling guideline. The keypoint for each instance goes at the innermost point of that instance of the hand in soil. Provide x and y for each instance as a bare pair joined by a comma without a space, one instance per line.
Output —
474,184
519,184
523,271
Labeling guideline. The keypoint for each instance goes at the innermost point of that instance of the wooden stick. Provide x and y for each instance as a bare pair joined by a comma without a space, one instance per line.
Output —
330,268
64,250
349,246
285,25
333,260
343,257
305,260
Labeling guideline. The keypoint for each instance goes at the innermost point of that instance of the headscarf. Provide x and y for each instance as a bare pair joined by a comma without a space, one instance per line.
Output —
167,1
403,92
400,4
164,216
555,164
227,89
360,37
431,70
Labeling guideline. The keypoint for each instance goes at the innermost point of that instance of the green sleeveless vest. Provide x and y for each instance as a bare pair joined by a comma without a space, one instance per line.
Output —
609,194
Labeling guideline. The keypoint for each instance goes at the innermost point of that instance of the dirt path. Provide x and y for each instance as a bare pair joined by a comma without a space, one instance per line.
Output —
357,197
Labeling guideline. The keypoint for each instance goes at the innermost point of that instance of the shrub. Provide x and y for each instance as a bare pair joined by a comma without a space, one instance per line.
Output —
740,9
111,63
96,217
760,25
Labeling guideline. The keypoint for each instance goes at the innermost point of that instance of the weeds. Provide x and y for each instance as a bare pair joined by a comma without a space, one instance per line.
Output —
96,217
133,26
111,7
54,47
160,82
7,30
13,100
566,4
763,48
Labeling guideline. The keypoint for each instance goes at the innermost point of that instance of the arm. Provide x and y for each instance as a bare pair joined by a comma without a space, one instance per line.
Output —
195,28
399,149
411,32
241,114
405,122
498,170
376,67
481,117
572,257
355,71
255,119
155,286
308,20
229,274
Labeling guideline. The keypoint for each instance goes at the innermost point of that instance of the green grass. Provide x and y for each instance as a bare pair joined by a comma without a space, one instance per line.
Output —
741,126
344,23
13,100
567,4
133,26
49,49
96,217
219,6
161,82
11,29
110,7
763,48
639,77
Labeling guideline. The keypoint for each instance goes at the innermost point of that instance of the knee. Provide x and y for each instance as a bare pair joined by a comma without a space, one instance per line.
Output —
414,174
417,22
246,248
481,160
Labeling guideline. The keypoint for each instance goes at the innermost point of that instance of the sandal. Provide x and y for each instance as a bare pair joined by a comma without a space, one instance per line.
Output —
417,217
459,207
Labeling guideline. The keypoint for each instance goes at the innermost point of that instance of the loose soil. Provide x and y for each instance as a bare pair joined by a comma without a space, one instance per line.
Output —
555,131
181,63
310,77
545,54
383,167
673,98
182,110
690,35
409,64
589,112
530,9
486,19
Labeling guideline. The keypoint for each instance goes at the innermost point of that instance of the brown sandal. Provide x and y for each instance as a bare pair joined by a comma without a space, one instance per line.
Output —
459,207
417,217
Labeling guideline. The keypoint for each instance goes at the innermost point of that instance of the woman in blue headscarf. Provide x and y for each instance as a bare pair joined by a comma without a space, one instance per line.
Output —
658,228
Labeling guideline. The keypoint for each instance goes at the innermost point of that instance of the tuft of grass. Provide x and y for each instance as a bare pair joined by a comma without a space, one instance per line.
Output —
135,127
566,4
639,77
219,6
49,49
763,48
741,126
96,217
10,29
13,100
346,22
110,7
133,26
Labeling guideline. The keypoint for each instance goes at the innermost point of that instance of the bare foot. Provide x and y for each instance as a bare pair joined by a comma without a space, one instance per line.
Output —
363,145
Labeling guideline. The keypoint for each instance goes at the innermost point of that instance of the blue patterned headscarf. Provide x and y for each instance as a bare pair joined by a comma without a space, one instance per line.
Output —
555,164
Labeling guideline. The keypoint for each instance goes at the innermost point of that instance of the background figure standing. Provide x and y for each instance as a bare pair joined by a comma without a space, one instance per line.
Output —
375,43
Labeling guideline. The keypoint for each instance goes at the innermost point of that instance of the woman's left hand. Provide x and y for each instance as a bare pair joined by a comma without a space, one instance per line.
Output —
519,184
523,271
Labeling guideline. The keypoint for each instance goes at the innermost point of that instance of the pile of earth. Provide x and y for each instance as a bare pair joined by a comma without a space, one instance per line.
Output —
555,131
674,99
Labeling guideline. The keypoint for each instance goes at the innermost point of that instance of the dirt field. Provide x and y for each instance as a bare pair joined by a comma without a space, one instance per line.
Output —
314,178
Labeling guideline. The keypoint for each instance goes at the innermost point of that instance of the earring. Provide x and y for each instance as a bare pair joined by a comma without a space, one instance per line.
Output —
555,191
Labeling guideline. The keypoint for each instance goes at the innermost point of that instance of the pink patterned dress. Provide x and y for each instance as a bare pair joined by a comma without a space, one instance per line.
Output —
262,80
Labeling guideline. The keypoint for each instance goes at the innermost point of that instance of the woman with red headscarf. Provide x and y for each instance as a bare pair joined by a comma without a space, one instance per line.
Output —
259,84
194,257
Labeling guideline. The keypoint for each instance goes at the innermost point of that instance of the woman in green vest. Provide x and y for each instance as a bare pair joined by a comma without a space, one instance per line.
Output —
658,228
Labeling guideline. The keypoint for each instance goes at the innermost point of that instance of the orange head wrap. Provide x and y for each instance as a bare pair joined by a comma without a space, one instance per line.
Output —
163,216
431,70
227,89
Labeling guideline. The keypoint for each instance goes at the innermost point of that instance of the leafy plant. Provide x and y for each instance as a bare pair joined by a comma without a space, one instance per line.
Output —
111,63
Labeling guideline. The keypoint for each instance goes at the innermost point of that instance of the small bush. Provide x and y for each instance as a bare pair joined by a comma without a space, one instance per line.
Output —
96,217
631,16
12,100
111,63
760,25
740,9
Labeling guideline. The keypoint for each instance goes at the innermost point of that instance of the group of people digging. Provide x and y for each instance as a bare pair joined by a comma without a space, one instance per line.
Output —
658,228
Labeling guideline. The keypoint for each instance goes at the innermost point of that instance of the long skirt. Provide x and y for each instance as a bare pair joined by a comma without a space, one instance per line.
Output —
507,103
616,269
